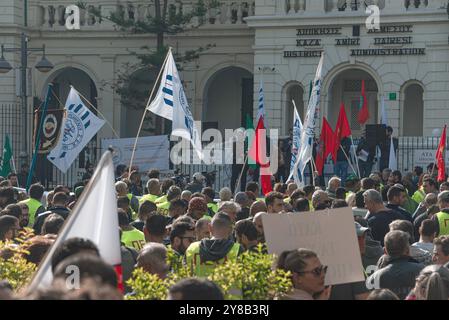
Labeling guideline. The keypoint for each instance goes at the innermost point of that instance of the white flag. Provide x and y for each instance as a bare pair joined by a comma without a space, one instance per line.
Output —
296,143
393,162
78,127
308,132
94,217
171,103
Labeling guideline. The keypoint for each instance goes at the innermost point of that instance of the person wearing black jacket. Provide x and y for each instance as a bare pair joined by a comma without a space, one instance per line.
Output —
396,198
365,151
60,201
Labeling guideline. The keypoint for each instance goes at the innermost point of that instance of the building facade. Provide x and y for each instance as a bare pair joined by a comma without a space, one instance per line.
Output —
405,64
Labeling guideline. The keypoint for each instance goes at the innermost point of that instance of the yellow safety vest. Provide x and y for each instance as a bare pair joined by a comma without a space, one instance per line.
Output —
419,196
287,200
33,205
133,239
213,206
443,221
133,213
161,199
204,269
148,197
311,205
163,207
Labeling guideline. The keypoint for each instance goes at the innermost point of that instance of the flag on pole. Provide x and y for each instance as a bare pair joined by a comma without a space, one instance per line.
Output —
95,218
6,158
171,103
440,157
308,133
393,161
363,115
297,130
326,146
79,126
258,151
342,130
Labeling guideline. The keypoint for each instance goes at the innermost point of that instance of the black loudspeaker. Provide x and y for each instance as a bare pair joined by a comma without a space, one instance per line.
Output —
375,134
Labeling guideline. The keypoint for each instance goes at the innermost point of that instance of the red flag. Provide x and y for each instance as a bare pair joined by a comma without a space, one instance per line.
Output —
343,130
326,146
257,153
440,157
363,115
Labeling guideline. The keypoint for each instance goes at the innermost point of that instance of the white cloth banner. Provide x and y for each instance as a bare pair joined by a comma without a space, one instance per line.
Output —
78,127
393,161
308,133
297,130
151,152
94,217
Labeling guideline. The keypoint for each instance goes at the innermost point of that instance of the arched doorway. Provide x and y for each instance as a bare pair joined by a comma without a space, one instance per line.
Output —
412,109
346,87
134,97
228,98
293,91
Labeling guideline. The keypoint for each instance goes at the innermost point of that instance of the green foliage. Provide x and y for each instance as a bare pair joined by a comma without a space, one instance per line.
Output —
13,266
251,277
253,274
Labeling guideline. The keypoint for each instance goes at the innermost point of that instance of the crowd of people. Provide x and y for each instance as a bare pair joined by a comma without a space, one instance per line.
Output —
400,222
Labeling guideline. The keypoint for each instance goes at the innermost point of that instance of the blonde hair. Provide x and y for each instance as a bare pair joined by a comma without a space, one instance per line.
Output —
434,281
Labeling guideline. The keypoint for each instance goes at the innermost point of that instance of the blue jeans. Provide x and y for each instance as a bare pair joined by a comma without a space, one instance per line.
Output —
341,171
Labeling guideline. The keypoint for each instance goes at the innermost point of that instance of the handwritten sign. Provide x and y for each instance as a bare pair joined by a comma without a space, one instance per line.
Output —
331,234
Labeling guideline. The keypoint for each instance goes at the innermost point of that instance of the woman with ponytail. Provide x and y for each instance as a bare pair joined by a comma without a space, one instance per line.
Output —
432,283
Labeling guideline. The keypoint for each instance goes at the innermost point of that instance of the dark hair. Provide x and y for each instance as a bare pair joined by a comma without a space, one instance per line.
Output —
397,173
301,205
153,174
428,228
6,224
197,289
296,195
431,182
147,207
156,224
280,187
389,129
418,170
12,174
442,241
445,184
247,228
340,193
173,192
123,219
61,198
394,191
368,184
37,248
36,191
8,193
89,266
166,184
396,242
339,204
178,204
123,202
179,229
208,192
308,190
253,187
52,224
406,226
71,247
60,188
14,210
269,199
382,294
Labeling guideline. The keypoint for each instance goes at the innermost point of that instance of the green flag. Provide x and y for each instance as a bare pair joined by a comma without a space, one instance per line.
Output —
249,125
6,160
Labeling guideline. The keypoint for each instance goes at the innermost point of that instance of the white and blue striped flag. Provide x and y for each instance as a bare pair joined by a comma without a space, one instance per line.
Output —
78,127
296,143
171,103
308,133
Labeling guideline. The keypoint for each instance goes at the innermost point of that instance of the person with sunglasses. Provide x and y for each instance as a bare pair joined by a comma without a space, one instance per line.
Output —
307,274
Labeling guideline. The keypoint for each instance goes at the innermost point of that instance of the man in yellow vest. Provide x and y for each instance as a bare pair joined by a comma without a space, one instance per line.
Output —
174,193
34,204
429,186
122,191
441,219
204,256
131,237
154,191
212,206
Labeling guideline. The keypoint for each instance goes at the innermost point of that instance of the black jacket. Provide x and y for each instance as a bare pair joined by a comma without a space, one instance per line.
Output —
407,215
39,222
380,221
215,249
398,275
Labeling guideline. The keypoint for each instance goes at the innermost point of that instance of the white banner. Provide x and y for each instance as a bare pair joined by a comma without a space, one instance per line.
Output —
424,157
151,152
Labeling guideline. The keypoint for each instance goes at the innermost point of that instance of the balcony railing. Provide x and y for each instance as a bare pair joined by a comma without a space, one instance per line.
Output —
225,12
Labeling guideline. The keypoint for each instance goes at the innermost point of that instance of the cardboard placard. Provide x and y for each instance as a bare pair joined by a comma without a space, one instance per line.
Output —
330,234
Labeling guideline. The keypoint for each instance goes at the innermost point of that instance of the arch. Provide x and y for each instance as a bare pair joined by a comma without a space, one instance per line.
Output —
292,90
343,84
412,109
227,98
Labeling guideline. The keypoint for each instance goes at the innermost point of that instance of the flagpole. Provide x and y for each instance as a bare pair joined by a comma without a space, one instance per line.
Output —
38,138
241,174
356,159
314,169
13,165
145,111
349,161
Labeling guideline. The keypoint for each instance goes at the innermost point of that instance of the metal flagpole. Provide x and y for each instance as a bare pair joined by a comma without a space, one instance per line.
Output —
356,158
145,111
349,160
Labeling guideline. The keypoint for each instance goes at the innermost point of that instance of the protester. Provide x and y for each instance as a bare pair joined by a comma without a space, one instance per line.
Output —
246,235
153,259
432,284
321,201
442,228
202,229
396,199
382,294
230,208
256,207
154,191
182,235
195,289
145,210
131,237
59,206
441,250
257,220
333,184
52,224
427,234
9,227
155,228
275,202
